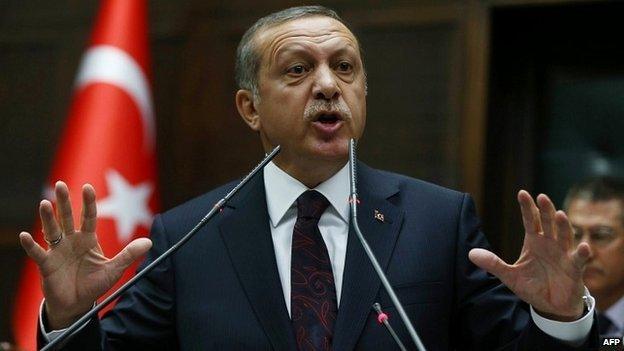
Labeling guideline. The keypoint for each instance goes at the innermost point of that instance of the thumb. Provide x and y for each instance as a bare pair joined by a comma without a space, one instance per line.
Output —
489,261
130,253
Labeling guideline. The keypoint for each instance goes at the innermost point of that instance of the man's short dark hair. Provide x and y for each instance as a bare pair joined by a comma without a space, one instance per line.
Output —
247,55
596,190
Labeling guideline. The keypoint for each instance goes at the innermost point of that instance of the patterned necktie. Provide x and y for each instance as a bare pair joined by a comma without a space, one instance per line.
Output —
313,294
604,324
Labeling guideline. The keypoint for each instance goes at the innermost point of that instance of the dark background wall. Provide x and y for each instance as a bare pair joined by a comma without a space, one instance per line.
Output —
556,105
429,76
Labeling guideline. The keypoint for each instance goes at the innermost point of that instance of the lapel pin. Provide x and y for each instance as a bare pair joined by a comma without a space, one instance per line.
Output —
379,216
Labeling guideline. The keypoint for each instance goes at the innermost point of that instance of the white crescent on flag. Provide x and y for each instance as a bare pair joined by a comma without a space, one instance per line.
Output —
109,64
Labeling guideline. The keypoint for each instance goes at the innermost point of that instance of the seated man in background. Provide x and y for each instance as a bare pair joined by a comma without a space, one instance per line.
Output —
595,208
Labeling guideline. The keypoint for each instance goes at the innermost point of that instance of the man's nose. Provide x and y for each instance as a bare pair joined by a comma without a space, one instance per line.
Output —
583,239
325,84
587,239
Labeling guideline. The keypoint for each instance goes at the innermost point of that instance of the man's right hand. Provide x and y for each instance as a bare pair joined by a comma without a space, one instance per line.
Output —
74,271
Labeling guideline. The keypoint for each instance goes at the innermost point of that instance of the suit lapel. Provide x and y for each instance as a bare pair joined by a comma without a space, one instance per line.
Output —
247,236
361,285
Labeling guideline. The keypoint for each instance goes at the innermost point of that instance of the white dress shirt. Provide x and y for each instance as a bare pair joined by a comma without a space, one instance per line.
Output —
282,191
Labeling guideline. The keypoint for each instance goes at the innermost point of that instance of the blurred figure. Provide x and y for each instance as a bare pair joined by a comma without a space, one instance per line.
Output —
595,208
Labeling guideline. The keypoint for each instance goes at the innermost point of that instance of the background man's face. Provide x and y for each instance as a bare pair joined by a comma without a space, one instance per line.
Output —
600,224
312,89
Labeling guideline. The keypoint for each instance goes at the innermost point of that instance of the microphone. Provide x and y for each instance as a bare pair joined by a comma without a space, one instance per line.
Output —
353,200
69,333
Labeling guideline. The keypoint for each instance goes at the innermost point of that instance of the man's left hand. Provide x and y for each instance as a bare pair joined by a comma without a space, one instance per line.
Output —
549,272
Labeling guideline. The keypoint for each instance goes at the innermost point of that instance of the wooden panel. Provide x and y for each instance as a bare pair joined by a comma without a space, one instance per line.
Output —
410,114
211,144
31,104
11,259
475,31
404,14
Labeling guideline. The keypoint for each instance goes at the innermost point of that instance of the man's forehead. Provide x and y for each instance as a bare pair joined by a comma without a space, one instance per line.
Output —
311,28
588,209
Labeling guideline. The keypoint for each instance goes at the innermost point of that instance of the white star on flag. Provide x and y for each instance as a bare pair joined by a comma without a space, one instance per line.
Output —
126,204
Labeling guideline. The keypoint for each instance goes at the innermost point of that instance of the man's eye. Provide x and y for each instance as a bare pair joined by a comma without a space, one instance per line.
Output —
297,70
578,234
603,234
345,66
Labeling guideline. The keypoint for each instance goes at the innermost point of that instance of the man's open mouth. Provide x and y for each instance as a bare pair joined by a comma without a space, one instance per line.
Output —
328,118
328,123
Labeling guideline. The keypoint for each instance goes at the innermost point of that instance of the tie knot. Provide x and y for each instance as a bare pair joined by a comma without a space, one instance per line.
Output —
311,204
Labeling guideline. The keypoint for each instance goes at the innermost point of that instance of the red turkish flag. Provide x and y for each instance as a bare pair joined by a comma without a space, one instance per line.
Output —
109,142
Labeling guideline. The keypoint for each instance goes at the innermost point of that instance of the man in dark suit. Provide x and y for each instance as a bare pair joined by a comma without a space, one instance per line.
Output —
596,210
280,268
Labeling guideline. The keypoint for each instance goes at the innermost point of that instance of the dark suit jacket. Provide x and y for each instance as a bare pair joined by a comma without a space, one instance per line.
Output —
222,290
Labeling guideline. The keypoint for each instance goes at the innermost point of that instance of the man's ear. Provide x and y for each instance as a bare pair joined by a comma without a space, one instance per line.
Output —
247,109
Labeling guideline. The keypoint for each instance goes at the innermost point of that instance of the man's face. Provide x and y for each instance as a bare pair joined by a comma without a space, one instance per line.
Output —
600,224
312,90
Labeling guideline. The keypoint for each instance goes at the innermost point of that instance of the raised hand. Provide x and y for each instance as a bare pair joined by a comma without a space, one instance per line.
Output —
74,271
548,274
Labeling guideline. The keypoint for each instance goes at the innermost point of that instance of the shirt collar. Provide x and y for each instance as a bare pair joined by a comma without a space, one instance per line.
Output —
616,313
282,190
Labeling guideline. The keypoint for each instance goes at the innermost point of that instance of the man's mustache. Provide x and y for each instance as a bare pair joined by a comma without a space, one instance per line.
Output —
317,107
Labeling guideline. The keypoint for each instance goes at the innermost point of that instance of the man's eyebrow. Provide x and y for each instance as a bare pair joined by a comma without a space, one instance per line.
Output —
291,49
599,226
346,49
603,225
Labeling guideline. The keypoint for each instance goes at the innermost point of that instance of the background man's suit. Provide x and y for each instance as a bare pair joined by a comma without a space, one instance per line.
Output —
222,290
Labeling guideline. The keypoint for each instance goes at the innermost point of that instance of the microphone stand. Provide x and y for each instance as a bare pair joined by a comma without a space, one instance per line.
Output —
382,318
371,256
69,332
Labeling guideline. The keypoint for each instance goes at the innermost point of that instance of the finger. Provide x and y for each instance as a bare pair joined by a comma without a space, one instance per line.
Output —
581,255
88,217
51,228
33,250
64,209
530,213
130,253
565,234
547,216
490,262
